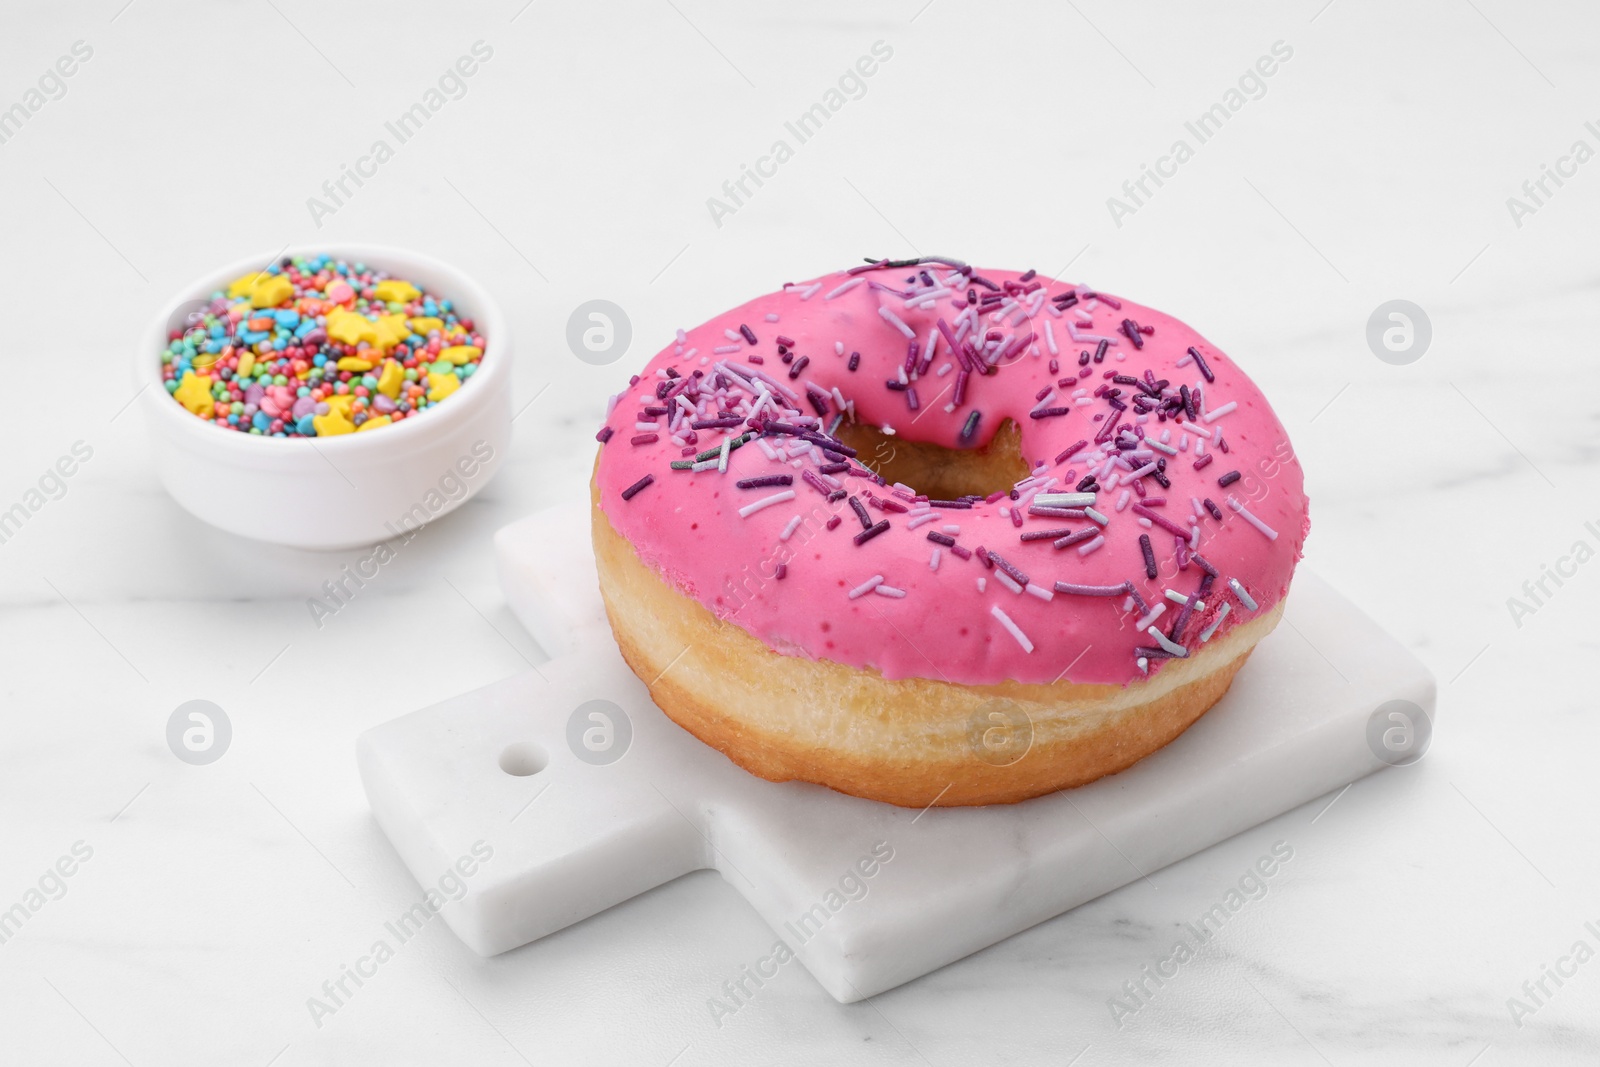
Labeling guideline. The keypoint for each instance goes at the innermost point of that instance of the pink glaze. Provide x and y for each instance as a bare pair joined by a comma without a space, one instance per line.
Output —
686,524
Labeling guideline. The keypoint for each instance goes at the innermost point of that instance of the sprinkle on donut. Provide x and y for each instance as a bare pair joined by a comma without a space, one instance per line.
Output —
726,464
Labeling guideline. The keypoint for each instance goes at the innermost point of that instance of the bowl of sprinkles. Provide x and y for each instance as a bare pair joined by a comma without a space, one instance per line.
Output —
327,397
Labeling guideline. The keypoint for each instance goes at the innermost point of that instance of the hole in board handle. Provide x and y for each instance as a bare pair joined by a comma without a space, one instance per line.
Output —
523,758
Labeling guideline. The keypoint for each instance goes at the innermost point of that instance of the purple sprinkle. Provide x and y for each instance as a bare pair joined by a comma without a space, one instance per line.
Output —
749,334
765,480
785,342
1094,590
959,504
1161,521
1204,461
637,487
810,478
833,521
855,361
960,552
1200,361
1211,573
783,569
861,512
1048,413
1047,535
1078,538
1211,506
939,538
971,426
1228,479
1065,452
604,435
644,439
871,531
1149,554
798,366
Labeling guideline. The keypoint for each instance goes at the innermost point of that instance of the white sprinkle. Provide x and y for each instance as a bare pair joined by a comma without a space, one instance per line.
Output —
1006,580
838,348
1213,416
1197,430
894,320
1151,616
1134,476
647,427
704,465
683,338
1084,550
788,531
690,355
1244,513
933,560
1167,643
921,520
1244,598
944,369
722,460
867,586
1096,516
768,449
1199,512
1146,523
1122,501
772,316
1161,446
951,528
733,335
1144,664
1040,591
723,350
1065,500
845,287
1050,339
765,502
1205,635
810,291
1012,628
1185,361
1178,598
981,584
889,590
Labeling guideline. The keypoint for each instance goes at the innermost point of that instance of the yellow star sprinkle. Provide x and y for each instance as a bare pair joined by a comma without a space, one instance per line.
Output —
422,324
441,386
392,329
459,354
332,424
349,328
194,393
393,289
354,363
270,291
340,402
374,422
392,378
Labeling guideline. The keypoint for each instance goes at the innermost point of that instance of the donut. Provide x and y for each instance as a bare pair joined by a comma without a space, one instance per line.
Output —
933,535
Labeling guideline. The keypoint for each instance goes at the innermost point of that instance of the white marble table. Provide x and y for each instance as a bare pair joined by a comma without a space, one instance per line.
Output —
1376,165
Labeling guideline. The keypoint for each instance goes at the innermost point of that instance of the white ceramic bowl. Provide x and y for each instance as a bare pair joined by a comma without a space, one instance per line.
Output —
352,489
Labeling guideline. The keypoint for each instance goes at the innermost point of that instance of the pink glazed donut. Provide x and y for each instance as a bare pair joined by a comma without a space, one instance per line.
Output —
932,535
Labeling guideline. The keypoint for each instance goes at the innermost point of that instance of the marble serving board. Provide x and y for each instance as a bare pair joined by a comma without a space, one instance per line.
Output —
865,895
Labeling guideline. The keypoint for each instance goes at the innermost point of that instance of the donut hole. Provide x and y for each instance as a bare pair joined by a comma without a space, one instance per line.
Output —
939,472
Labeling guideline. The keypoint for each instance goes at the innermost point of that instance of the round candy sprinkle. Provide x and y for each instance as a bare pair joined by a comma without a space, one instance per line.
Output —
316,347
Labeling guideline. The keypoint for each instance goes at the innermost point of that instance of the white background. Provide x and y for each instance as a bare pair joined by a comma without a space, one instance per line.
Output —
1376,166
